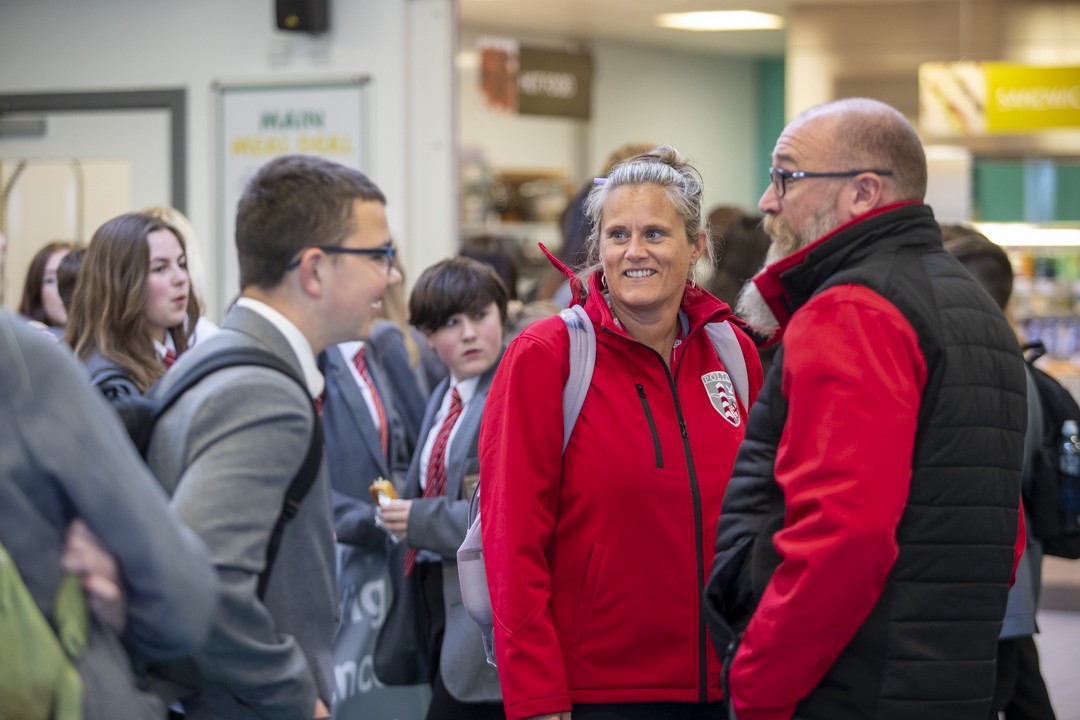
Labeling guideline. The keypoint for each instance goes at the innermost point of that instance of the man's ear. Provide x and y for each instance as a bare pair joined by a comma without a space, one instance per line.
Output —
868,193
311,271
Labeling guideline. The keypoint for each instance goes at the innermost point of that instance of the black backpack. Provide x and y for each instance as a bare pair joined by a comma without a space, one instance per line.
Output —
1053,492
140,414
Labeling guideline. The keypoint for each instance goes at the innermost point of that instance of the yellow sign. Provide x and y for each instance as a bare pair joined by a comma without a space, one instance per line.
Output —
1022,97
967,98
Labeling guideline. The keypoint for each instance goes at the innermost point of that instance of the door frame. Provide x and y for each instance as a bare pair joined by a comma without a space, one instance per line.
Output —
172,100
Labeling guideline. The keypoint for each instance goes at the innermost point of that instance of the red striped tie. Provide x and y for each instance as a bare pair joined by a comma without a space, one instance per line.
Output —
360,361
436,468
169,358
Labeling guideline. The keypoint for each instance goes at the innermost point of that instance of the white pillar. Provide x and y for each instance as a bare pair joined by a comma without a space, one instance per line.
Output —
431,231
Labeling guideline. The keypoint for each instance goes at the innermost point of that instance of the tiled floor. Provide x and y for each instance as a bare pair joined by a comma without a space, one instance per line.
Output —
1059,637
1059,654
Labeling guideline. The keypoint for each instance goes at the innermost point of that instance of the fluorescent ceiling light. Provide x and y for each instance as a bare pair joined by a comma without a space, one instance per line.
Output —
1025,235
720,20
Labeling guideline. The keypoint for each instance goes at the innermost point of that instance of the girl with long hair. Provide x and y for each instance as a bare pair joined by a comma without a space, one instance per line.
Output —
133,296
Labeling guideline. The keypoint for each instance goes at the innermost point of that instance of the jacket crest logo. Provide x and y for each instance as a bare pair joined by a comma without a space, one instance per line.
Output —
722,396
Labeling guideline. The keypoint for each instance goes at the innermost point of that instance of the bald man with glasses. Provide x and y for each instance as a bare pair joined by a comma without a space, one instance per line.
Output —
870,529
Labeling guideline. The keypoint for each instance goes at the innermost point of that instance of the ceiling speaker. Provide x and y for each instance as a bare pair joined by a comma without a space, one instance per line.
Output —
308,16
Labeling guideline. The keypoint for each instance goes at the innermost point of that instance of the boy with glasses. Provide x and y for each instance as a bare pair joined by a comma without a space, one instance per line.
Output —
313,242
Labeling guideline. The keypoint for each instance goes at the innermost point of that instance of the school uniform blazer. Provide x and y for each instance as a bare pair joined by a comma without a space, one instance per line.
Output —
439,525
64,455
354,454
227,451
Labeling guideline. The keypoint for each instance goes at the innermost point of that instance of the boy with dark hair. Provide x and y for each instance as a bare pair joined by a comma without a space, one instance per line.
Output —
460,305
986,261
456,285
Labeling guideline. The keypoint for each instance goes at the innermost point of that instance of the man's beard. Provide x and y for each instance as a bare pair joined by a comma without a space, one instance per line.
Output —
750,305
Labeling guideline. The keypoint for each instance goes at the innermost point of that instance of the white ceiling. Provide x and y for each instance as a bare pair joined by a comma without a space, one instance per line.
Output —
626,21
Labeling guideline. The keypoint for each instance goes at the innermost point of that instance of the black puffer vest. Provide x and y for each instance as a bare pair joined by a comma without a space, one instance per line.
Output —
928,648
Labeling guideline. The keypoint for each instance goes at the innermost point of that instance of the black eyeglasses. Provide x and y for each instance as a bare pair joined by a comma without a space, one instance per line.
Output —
384,254
780,177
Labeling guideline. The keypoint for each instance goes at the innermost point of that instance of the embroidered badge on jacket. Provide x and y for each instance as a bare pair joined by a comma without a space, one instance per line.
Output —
722,396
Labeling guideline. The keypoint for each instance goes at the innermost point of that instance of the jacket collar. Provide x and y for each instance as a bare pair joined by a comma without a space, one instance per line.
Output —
698,307
789,282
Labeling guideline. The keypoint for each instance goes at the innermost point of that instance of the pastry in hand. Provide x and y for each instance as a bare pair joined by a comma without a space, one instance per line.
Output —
382,492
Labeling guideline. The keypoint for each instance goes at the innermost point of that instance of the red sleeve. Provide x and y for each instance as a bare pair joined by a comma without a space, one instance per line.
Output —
1020,544
853,375
520,468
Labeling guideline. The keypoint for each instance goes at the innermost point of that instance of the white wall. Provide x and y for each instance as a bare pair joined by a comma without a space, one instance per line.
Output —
704,105
63,46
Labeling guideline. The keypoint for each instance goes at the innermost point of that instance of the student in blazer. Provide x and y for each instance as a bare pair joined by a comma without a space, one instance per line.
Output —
315,259
354,453
460,305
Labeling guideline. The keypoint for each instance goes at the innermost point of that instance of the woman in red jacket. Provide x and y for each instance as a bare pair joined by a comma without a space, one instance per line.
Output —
596,557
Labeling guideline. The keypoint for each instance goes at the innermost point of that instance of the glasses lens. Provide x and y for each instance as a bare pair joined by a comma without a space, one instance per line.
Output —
777,176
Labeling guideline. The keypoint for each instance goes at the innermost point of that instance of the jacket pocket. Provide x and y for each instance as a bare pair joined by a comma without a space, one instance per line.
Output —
652,425
470,477
588,595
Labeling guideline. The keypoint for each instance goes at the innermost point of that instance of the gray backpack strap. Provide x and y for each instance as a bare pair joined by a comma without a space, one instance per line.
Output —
729,351
582,361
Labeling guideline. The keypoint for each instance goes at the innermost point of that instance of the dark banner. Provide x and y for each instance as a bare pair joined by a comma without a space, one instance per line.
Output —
365,600
555,83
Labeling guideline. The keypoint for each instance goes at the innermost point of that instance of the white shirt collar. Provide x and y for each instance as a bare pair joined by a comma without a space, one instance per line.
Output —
299,344
466,389
350,348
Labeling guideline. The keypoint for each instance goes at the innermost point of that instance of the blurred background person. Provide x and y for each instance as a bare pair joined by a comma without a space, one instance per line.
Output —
131,297
639,484
67,272
40,299
740,244
411,367
502,253
1020,692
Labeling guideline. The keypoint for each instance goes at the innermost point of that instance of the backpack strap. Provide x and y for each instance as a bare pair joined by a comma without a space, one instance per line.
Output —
113,383
108,374
309,470
582,362
729,351
298,488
